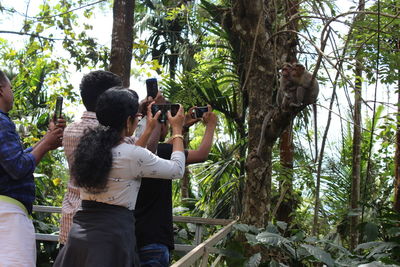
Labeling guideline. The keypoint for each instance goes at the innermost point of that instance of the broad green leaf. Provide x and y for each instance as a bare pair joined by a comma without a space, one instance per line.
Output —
368,245
319,254
251,239
271,239
254,260
241,227
281,225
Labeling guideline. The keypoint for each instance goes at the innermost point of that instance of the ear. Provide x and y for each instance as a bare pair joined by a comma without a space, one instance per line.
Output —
128,121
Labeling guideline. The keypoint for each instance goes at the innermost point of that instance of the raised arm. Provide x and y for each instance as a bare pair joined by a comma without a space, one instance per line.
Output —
17,163
201,154
149,136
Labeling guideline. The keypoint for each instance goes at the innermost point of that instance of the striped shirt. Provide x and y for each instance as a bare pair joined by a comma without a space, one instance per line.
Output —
72,201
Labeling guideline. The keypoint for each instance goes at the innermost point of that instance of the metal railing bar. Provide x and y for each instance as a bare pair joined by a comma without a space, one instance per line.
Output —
198,251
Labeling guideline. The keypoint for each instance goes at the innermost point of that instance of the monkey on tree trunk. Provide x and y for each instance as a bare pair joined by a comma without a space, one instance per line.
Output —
297,89
307,88
287,89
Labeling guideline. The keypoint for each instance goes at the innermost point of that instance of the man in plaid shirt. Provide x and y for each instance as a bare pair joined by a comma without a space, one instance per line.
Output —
92,86
17,186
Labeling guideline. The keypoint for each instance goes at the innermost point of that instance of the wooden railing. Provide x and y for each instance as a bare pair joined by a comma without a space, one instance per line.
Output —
197,253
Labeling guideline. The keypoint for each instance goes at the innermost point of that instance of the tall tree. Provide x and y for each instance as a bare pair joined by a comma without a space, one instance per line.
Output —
397,155
356,156
122,39
286,207
249,24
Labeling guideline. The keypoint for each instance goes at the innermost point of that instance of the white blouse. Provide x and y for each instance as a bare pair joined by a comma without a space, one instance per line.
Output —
130,164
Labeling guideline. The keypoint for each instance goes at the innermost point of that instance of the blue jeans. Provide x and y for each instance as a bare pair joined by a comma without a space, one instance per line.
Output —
154,255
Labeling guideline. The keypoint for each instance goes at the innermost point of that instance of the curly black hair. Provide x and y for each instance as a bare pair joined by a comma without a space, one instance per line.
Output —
93,156
94,84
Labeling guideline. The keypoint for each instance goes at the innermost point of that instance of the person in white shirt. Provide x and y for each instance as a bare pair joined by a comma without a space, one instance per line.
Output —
108,172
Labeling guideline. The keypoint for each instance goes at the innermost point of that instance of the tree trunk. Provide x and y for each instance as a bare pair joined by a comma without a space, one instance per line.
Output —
288,203
122,39
185,181
356,156
397,155
356,159
248,22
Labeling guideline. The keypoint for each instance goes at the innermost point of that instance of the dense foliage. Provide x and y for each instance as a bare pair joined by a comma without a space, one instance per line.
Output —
185,42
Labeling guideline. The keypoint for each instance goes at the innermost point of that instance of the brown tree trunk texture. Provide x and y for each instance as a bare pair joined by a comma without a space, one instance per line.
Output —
356,158
288,204
122,39
185,184
185,181
249,24
397,155
356,155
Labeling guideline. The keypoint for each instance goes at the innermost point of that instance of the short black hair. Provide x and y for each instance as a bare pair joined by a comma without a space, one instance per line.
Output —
94,84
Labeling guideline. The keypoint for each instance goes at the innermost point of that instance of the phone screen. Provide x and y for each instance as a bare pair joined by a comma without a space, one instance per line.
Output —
58,111
152,87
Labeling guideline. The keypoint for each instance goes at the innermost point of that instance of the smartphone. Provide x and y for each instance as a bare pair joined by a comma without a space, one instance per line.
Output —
198,112
58,110
173,108
152,87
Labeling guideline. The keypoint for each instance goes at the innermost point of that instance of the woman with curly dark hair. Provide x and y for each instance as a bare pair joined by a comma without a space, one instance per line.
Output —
108,172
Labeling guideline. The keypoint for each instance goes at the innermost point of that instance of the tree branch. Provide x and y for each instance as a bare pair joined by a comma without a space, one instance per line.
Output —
32,35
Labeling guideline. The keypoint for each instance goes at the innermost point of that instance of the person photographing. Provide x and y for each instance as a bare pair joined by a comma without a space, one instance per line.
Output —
108,172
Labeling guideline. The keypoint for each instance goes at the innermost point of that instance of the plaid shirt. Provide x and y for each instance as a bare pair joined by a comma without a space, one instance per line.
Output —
72,201
16,165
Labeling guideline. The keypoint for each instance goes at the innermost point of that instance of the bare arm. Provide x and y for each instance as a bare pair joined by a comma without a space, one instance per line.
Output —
201,154
149,138
177,124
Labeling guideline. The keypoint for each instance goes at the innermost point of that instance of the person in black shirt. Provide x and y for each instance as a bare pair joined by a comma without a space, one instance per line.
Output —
153,211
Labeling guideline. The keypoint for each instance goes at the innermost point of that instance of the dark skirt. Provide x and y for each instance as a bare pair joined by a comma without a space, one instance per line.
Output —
101,235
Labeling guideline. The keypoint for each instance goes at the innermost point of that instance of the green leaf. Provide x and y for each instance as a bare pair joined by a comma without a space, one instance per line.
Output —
281,225
251,239
272,228
254,260
371,231
319,254
394,231
368,245
241,227
384,246
271,239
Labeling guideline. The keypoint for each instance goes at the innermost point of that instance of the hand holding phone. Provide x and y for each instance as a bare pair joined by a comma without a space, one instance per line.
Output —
198,112
173,108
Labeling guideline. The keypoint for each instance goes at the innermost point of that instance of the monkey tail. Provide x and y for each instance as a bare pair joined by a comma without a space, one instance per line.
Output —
314,105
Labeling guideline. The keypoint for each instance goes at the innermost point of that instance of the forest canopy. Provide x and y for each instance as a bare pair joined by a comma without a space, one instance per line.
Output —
323,186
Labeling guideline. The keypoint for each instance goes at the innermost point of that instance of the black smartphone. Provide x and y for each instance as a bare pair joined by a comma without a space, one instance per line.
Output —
173,108
152,87
198,112
58,110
